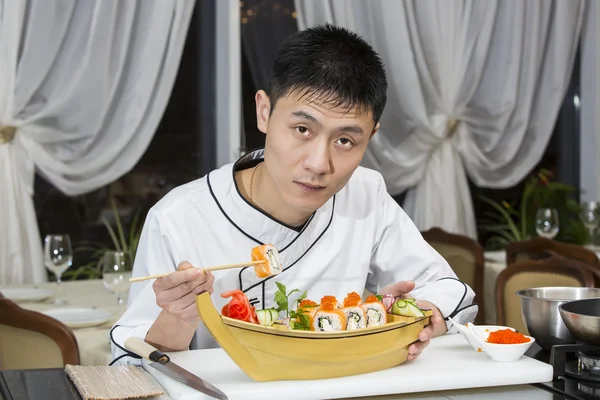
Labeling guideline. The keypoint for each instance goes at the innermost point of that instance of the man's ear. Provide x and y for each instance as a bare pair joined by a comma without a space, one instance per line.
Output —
263,110
374,130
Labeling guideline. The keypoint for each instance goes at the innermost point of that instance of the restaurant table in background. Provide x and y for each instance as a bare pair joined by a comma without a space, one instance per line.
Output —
94,341
492,269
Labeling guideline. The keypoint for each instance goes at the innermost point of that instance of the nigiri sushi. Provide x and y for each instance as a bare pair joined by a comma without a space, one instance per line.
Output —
375,311
329,318
271,266
355,315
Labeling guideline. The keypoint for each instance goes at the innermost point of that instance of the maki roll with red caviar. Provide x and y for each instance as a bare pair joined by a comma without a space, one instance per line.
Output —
329,317
355,315
375,311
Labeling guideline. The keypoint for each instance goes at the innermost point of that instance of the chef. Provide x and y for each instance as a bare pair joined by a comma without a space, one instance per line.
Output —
335,226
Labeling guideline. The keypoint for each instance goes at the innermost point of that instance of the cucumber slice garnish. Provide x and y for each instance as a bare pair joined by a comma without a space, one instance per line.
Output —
407,308
414,311
267,317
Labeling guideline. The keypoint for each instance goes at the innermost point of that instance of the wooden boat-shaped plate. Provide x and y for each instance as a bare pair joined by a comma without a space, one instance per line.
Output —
277,353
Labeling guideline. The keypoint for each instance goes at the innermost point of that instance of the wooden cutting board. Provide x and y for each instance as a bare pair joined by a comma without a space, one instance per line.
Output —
448,363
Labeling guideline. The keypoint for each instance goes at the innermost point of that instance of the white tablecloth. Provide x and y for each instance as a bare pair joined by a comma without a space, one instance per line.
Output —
94,342
491,271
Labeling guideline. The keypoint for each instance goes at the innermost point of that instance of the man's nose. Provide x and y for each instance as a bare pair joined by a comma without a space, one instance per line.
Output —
318,160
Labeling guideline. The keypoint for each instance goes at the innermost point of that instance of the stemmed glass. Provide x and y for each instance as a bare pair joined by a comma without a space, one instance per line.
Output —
546,222
590,216
58,257
116,272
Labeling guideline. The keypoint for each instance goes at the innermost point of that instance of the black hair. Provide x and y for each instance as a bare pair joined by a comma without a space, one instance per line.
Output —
331,64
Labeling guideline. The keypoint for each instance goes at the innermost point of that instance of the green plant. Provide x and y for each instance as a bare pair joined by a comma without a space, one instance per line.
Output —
122,240
129,243
515,221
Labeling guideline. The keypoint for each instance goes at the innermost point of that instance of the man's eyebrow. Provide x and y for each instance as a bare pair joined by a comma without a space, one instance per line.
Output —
305,115
352,129
355,129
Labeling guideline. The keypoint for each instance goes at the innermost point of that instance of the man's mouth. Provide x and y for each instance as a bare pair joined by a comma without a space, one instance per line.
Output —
307,187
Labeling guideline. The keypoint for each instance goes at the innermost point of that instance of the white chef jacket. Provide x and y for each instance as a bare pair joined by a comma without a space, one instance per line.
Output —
360,238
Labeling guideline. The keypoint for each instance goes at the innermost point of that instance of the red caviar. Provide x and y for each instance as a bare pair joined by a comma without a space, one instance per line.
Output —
352,300
328,303
507,336
372,299
306,302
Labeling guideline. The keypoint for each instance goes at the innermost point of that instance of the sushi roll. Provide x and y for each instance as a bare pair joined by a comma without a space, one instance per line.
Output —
355,315
270,256
329,318
375,311
309,308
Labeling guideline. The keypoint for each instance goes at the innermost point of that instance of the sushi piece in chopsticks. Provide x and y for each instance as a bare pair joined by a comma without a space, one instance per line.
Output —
329,317
270,256
355,314
375,311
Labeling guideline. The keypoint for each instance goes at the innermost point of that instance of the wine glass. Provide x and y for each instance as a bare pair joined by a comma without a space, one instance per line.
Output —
590,216
58,257
116,272
546,222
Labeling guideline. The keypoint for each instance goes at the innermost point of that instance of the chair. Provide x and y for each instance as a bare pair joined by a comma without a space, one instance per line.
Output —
29,339
465,257
552,271
539,248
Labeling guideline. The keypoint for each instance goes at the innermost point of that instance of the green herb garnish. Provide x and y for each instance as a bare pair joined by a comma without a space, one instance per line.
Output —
282,298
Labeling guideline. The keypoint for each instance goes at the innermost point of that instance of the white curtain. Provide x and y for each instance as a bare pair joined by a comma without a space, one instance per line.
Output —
474,88
83,86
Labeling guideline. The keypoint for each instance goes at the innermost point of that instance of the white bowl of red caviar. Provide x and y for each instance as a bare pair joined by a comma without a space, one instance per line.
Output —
500,343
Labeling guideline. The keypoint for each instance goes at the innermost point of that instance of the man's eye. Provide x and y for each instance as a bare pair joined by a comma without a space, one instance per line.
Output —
345,142
302,130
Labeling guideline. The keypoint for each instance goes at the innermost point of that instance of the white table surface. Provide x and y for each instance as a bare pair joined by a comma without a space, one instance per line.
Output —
448,367
528,392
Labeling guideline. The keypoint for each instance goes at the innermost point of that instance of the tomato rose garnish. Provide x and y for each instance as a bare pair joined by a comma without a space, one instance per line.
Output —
239,307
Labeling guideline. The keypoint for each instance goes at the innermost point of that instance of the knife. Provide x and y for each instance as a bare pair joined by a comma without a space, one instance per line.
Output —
163,363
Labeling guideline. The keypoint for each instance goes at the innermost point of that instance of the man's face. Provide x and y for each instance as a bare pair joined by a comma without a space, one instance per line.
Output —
311,149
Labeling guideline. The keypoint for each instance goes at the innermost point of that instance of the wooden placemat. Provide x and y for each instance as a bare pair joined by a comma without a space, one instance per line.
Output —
113,382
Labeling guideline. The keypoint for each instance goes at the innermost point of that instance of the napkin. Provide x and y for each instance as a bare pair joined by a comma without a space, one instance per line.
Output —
113,382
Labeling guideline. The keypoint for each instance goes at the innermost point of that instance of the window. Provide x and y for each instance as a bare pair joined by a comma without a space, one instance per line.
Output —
264,25
181,150
561,157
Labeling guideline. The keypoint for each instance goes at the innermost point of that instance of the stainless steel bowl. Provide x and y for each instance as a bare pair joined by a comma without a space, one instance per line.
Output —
582,317
539,307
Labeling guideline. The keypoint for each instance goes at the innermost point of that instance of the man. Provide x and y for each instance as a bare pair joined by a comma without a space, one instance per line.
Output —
333,222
